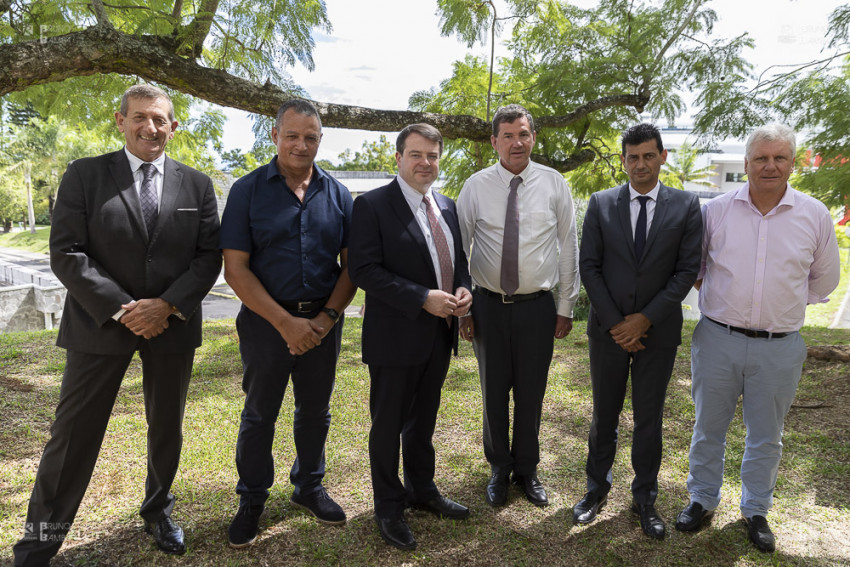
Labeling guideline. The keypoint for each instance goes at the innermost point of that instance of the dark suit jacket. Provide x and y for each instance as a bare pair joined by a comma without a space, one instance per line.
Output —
619,284
100,251
388,257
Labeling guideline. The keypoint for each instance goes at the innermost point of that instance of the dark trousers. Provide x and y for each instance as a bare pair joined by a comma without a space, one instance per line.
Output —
403,403
513,344
89,388
267,367
609,372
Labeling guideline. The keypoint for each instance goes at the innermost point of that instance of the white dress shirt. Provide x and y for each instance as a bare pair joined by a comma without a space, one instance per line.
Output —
138,174
548,247
634,206
416,201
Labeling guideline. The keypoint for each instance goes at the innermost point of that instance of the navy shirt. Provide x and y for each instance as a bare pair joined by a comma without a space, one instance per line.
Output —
293,245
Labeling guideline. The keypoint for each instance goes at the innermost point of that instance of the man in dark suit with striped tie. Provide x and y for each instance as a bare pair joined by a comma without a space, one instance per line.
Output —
405,252
135,241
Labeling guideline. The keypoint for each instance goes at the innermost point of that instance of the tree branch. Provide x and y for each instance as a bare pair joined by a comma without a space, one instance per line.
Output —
98,50
199,28
563,165
100,13
4,6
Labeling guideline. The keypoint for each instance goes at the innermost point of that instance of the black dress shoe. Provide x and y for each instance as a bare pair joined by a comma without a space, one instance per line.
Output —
650,522
588,507
443,507
497,490
168,535
690,519
760,534
396,532
533,489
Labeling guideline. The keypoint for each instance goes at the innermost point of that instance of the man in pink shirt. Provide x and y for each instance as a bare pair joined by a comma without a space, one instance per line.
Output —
768,251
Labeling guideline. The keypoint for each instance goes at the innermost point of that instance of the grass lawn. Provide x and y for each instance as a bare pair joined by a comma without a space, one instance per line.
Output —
25,240
810,518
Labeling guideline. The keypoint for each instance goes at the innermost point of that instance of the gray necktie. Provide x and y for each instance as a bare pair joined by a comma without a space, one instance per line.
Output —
147,196
509,279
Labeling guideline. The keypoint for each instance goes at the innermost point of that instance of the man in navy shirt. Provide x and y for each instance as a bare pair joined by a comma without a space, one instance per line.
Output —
284,226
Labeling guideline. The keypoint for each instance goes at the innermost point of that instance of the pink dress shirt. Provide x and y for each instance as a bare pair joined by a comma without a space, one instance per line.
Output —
760,272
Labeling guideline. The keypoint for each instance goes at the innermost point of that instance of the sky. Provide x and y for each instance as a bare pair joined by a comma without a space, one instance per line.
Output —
382,51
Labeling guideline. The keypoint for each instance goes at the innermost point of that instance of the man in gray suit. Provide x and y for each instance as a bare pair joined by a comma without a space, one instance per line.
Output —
639,256
135,241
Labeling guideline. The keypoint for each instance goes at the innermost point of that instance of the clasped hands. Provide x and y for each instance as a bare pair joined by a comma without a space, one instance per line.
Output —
628,332
146,318
443,304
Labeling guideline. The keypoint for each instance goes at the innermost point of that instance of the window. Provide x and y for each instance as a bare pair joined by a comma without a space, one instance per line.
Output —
735,177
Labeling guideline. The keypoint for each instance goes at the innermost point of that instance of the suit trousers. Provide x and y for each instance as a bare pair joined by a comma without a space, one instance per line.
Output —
513,344
650,370
267,367
89,388
763,372
403,403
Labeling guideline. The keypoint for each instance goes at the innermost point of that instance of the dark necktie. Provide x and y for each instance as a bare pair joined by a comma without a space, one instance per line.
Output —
509,278
640,227
147,197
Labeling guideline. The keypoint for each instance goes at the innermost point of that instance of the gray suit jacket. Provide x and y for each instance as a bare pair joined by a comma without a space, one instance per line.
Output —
619,284
101,252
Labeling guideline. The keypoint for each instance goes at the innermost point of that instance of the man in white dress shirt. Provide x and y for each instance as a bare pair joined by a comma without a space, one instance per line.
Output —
518,227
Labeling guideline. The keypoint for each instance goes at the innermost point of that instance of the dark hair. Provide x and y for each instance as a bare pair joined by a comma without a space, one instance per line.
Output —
510,113
145,91
300,106
640,133
425,130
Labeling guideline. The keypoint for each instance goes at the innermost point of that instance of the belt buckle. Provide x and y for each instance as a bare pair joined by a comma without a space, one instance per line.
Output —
302,306
505,299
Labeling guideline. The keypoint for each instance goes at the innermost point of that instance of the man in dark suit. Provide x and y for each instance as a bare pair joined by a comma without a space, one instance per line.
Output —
639,256
135,241
406,253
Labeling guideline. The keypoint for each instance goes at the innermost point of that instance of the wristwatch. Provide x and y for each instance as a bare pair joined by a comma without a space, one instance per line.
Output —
332,313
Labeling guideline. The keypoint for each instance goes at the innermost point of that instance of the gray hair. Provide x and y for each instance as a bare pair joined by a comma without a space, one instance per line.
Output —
772,132
145,91
300,106
510,113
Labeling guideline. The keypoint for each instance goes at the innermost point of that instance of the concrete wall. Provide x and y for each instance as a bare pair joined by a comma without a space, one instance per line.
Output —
30,307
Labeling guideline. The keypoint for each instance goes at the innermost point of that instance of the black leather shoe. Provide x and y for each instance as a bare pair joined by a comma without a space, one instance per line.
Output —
690,519
168,535
443,507
650,522
396,532
588,507
760,534
497,490
533,489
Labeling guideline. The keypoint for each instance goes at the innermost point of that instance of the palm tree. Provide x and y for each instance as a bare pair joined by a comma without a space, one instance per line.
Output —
683,169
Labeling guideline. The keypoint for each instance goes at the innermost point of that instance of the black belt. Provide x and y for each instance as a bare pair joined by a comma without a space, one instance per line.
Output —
750,332
303,306
516,298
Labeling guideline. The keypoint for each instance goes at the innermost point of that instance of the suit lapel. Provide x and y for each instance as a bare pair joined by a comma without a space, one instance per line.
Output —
125,185
171,184
402,209
625,215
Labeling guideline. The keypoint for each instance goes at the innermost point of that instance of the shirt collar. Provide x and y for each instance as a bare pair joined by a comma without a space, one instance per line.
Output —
633,194
136,162
506,175
411,194
787,200
271,171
